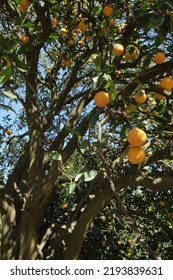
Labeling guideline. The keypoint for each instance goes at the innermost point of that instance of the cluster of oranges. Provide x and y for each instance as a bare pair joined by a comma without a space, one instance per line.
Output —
136,138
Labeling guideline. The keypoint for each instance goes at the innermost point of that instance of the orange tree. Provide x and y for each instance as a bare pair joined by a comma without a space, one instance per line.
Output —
68,190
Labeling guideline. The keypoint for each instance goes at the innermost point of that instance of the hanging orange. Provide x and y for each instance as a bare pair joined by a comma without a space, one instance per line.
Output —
137,137
140,98
136,155
83,26
166,83
101,99
159,96
107,10
118,49
159,57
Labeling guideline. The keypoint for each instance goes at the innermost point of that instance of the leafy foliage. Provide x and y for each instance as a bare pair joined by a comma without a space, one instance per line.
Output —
68,187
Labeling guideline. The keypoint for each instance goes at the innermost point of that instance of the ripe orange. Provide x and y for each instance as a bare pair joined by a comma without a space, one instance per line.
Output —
111,22
63,31
101,99
161,203
25,3
21,9
24,39
137,137
83,26
70,42
136,155
118,50
66,62
9,131
107,10
133,55
159,57
127,56
159,96
88,38
54,21
56,53
140,98
166,83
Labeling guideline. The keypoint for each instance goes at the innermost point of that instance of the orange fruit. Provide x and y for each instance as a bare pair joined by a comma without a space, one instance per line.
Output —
24,39
161,203
140,98
159,96
133,55
83,26
107,10
118,50
136,155
159,57
56,53
80,43
63,31
9,131
25,3
127,56
88,38
70,42
66,62
109,229
101,99
21,9
112,22
137,137
54,21
166,83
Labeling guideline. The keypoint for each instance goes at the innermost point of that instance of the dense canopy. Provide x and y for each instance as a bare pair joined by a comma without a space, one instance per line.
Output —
72,185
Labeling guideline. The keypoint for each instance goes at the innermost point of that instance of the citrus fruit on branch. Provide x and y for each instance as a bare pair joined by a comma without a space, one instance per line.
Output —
137,137
101,99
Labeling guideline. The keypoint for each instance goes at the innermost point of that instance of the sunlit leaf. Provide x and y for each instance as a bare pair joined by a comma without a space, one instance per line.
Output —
54,155
9,94
98,60
5,75
71,187
84,145
73,131
86,176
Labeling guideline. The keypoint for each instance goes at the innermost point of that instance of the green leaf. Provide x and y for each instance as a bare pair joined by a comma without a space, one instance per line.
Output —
169,3
28,24
123,132
5,75
93,120
54,155
84,145
73,131
86,176
108,84
112,91
71,187
9,94
98,60
21,65
7,108
156,22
